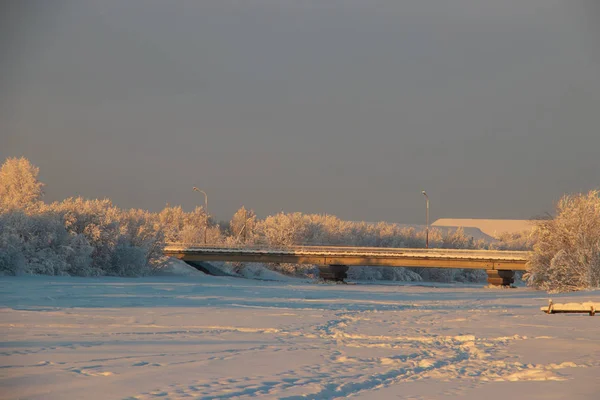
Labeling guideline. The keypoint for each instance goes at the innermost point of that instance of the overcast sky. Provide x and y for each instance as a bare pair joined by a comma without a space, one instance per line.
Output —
342,107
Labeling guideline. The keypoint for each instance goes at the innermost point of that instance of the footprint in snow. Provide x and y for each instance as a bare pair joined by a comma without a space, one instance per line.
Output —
139,364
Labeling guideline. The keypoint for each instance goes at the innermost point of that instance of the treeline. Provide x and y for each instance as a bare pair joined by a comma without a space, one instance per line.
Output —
94,237
83,237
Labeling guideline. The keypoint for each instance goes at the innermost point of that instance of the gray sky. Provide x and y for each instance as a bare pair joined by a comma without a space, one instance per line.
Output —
343,107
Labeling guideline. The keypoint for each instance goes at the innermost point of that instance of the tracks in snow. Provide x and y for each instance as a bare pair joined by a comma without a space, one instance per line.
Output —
352,362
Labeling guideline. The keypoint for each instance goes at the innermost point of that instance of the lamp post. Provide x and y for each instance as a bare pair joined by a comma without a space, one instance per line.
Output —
427,220
205,210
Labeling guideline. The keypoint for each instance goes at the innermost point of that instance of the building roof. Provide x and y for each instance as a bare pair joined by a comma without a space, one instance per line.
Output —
492,227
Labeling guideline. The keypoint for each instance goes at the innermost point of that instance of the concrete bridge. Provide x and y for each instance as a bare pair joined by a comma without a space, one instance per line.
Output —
333,261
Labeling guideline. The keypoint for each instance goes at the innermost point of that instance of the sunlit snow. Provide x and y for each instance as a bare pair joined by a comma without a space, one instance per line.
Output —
205,337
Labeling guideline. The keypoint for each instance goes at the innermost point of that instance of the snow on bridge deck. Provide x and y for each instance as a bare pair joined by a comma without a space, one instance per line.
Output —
338,255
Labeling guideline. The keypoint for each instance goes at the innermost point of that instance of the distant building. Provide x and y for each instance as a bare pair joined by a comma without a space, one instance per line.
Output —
491,227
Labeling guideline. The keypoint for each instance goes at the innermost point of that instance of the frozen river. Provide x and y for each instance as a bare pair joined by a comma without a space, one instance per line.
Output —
204,337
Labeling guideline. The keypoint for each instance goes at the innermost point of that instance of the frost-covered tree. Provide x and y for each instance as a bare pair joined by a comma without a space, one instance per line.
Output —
242,226
282,229
79,257
12,259
98,221
128,260
457,239
187,227
85,237
514,241
39,244
140,229
566,253
110,230
19,184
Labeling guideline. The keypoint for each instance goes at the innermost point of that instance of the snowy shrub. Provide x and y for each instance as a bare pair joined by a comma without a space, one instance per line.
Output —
566,253
106,229
518,241
383,274
40,239
470,275
436,274
128,260
97,221
141,229
302,270
449,275
12,261
457,240
79,257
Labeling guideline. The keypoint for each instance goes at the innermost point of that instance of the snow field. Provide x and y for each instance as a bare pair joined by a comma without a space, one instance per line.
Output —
204,337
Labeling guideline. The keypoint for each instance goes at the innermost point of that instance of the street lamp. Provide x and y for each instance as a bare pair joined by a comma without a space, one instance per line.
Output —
427,220
205,210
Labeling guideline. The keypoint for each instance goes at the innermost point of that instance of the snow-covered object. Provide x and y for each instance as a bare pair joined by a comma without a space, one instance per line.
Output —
558,308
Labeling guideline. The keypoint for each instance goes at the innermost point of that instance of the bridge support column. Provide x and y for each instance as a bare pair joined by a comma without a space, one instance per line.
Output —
500,277
333,272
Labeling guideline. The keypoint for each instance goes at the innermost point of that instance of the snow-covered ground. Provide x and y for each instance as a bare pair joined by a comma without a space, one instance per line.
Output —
222,338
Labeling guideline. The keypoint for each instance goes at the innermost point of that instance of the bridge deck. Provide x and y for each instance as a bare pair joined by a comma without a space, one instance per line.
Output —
372,256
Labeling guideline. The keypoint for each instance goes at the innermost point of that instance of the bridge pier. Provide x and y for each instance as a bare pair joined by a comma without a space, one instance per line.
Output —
500,277
333,272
